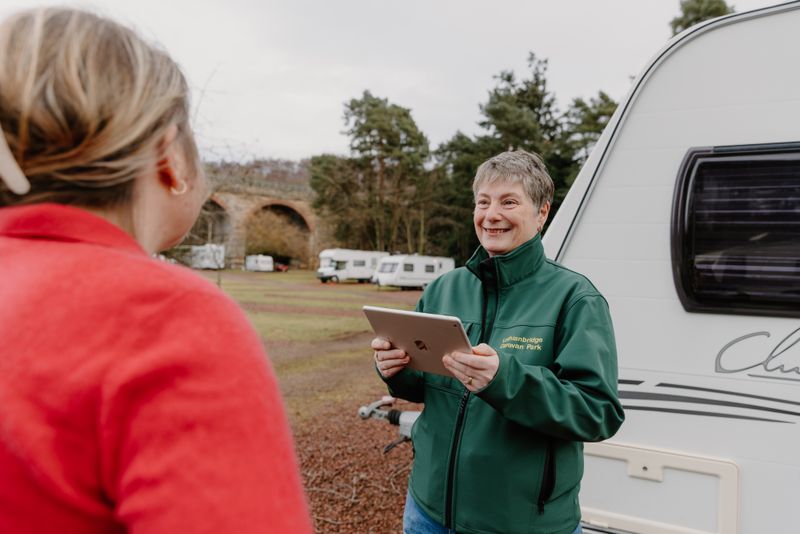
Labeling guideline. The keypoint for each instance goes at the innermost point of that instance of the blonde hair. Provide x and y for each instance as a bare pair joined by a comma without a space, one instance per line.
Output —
84,104
517,166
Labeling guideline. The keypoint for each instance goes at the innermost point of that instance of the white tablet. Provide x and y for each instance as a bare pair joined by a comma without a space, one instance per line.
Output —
426,337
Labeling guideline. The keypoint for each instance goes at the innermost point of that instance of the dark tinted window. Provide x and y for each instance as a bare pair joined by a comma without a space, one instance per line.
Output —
387,267
359,263
408,267
736,231
430,268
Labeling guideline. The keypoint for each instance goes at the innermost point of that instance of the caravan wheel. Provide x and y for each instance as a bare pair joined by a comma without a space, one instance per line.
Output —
335,279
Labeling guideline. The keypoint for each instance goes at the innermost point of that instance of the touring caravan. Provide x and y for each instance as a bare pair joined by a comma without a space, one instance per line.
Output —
411,270
208,256
340,264
686,216
259,262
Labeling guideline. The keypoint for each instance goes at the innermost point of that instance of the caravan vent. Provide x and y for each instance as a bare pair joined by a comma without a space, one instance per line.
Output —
736,230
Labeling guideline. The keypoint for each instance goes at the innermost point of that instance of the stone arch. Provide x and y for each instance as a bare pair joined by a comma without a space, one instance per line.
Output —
213,225
297,210
282,229
221,201
240,206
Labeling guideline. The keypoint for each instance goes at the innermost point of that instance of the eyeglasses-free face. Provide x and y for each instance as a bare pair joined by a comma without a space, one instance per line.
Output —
505,216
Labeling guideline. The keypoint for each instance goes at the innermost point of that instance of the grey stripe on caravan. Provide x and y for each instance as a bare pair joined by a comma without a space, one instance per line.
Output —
630,382
778,377
709,414
594,529
711,390
699,400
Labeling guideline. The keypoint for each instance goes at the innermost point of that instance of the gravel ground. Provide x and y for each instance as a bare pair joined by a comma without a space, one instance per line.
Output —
352,486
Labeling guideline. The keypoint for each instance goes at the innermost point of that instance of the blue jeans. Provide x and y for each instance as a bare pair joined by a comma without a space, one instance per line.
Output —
416,521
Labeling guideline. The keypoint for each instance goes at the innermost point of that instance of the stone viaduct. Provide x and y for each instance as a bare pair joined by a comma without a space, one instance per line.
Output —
235,202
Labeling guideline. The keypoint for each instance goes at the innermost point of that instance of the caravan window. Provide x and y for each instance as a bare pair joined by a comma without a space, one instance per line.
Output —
430,268
408,267
341,265
359,263
736,230
387,267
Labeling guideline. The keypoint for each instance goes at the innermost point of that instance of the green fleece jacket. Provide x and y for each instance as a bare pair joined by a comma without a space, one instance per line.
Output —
509,459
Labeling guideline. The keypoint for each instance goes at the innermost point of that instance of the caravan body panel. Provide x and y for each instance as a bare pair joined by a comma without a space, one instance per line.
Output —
694,385
411,270
340,264
208,256
259,262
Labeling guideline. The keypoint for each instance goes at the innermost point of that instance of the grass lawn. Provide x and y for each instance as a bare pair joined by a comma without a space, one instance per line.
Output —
294,306
309,327
316,335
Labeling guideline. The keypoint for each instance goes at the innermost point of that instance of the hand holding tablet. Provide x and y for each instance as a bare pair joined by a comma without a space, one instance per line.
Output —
425,337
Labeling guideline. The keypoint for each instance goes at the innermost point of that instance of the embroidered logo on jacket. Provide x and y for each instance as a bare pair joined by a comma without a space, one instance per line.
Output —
522,343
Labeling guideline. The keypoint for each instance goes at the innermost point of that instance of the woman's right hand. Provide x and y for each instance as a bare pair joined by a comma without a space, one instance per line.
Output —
389,359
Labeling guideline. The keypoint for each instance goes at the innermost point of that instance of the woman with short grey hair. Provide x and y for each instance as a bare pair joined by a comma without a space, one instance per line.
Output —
498,446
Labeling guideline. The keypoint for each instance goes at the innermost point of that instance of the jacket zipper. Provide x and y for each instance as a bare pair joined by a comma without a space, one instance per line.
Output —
548,477
462,408
462,405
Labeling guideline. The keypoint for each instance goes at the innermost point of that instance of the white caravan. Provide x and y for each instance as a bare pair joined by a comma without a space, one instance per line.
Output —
686,216
259,262
208,256
340,264
411,270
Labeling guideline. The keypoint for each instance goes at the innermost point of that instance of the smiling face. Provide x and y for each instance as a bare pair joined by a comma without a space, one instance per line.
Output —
505,216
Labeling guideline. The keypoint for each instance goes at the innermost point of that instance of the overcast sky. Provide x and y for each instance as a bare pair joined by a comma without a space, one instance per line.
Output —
270,76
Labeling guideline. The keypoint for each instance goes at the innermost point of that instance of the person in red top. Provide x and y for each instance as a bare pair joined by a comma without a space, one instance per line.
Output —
134,396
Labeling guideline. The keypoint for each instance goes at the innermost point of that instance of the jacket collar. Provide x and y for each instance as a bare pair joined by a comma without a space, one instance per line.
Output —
510,268
57,222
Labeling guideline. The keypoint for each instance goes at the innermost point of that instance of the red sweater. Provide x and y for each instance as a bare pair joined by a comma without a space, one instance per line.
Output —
134,396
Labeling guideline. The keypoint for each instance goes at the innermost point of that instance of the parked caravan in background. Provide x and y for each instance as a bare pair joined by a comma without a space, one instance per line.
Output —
411,270
208,256
686,217
340,264
259,262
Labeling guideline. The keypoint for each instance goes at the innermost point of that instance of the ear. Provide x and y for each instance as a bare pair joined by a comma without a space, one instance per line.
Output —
170,162
541,218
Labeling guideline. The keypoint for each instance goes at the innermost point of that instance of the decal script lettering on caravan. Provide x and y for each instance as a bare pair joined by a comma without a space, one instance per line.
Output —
741,355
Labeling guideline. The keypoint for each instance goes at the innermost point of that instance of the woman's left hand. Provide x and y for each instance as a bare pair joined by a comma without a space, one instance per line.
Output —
474,370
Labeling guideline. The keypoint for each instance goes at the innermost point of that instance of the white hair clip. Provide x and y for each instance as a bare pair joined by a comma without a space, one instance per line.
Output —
10,172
